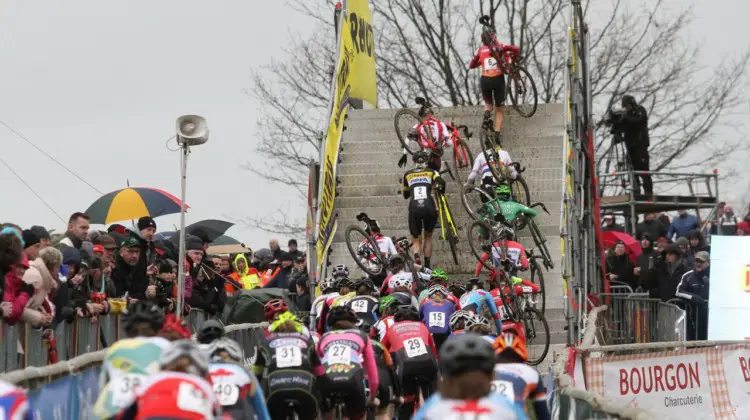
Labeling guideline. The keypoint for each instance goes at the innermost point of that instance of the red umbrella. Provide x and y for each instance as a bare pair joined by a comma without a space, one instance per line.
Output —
632,247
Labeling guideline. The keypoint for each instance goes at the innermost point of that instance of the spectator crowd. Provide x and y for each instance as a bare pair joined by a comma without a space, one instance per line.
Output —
47,279
674,259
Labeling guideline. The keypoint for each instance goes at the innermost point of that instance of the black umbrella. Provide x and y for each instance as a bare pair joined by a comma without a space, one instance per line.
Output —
208,230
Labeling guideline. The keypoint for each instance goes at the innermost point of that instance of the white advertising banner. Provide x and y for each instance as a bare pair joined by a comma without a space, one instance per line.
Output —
672,387
737,372
729,291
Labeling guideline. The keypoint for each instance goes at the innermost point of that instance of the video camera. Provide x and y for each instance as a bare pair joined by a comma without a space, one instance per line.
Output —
614,119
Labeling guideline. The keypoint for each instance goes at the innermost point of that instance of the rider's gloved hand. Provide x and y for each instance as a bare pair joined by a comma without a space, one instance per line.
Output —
402,161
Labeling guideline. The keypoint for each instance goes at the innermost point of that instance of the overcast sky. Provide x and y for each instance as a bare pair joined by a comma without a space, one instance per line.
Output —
98,84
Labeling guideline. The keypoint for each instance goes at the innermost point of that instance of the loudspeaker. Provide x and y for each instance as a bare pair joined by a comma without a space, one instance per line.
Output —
192,130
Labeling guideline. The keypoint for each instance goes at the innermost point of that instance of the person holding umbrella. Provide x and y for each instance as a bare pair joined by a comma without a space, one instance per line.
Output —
620,268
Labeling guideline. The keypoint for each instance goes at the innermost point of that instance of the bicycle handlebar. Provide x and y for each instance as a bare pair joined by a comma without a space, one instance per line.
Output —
463,128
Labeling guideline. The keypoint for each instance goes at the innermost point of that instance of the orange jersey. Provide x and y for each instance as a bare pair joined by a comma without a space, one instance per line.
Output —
484,58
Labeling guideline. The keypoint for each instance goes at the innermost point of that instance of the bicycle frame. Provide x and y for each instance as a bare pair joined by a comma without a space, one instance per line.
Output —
444,212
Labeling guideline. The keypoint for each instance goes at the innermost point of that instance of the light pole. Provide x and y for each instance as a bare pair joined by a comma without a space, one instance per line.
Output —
191,131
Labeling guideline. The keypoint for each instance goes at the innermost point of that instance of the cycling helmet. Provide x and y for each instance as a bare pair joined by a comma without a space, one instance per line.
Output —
364,281
274,307
342,282
226,345
209,331
339,270
406,313
474,281
341,313
185,349
504,232
363,326
386,302
402,282
143,311
373,225
401,298
502,191
437,289
395,259
466,353
420,157
508,342
327,285
476,320
173,325
458,319
457,290
439,274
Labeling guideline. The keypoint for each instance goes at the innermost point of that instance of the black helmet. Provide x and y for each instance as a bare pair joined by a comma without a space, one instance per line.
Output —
342,282
421,155
364,281
210,330
406,313
143,311
474,281
466,353
628,100
401,298
341,313
395,259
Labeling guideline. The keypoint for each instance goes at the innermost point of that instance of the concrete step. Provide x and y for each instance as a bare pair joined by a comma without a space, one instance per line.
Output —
387,139
363,153
470,112
390,167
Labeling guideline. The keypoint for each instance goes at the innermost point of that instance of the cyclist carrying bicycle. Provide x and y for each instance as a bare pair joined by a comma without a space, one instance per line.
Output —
347,358
476,297
128,362
417,188
514,259
434,129
180,391
398,277
236,389
482,168
516,380
413,351
288,366
492,81
466,366
364,305
504,208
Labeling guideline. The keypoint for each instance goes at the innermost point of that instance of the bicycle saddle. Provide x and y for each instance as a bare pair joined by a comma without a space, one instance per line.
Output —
420,100
484,19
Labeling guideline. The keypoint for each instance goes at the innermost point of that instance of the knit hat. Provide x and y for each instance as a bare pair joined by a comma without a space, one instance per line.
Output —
292,242
29,238
40,232
674,249
193,243
146,222
165,267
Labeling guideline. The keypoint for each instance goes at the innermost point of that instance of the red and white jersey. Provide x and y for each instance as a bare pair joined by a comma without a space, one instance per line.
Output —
176,395
382,327
437,130
385,244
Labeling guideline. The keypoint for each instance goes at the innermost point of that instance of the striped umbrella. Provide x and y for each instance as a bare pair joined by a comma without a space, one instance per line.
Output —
132,203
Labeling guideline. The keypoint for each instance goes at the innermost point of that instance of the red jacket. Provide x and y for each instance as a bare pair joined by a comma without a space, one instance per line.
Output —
16,292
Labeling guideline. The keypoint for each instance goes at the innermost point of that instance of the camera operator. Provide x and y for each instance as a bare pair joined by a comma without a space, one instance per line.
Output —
631,126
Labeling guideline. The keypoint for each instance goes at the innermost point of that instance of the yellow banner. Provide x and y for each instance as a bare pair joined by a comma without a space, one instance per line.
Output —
359,33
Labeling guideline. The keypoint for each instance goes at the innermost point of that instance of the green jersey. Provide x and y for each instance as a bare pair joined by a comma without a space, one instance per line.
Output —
126,365
509,209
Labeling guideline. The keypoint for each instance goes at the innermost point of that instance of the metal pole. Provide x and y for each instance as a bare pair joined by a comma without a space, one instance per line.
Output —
181,261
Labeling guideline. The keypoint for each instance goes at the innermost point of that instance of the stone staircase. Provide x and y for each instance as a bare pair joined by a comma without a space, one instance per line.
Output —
370,181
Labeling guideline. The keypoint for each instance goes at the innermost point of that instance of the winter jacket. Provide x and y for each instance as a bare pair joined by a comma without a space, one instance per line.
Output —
694,286
623,268
248,278
664,278
207,293
646,261
17,293
294,277
702,245
682,225
280,279
303,302
130,279
39,277
69,240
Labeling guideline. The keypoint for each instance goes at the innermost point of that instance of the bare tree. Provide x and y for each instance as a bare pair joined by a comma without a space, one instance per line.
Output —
423,48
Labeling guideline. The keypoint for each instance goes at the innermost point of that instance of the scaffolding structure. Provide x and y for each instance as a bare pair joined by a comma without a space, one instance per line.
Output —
580,228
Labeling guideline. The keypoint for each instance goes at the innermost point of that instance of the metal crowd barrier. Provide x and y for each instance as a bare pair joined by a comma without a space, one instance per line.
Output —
636,318
22,346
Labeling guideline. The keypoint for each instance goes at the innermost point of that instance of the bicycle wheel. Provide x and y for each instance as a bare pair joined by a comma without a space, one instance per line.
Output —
537,334
541,244
355,235
522,91
536,276
451,233
404,122
491,157
473,198
480,239
462,159
520,191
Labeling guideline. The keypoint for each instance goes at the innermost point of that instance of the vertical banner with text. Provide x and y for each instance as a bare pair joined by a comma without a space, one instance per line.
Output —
354,78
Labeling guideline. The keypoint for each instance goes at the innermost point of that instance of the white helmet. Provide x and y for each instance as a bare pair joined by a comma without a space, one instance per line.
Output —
339,270
476,320
402,282
457,317
326,284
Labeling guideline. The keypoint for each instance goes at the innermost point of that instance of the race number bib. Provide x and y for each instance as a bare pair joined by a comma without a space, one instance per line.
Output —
490,63
420,193
288,356
190,398
415,347
504,388
359,306
437,319
227,393
514,254
124,387
340,355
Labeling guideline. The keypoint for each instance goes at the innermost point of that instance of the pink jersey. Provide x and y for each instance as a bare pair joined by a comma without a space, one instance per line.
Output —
350,348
